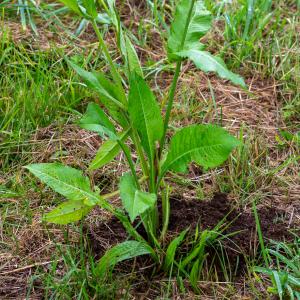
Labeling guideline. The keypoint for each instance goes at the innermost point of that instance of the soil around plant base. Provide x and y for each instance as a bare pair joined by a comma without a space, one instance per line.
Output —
240,247
206,215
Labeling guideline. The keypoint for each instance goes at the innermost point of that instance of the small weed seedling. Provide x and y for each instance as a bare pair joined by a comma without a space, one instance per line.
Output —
138,113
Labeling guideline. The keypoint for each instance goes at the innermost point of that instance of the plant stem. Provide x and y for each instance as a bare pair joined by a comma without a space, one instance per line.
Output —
116,76
175,80
130,162
152,179
136,141
170,105
159,179
165,200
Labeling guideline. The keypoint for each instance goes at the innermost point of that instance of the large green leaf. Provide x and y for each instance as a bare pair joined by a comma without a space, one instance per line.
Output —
145,114
209,63
191,22
207,145
134,201
121,252
68,212
66,181
96,120
107,152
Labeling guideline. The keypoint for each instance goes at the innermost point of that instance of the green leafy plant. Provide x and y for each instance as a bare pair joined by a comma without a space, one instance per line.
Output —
284,269
139,114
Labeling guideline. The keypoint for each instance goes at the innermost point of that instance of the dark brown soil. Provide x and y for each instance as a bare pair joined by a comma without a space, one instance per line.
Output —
207,214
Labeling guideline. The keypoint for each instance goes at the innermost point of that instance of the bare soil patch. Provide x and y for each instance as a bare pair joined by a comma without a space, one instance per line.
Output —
207,214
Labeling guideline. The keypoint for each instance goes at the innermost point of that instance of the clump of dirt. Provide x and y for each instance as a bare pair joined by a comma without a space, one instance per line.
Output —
206,214
105,235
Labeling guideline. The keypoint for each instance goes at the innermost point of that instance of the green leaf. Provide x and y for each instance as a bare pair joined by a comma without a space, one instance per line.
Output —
198,251
107,152
113,12
285,261
103,18
93,82
194,274
170,254
134,201
133,62
293,280
278,284
207,145
145,114
73,5
96,120
209,63
121,252
113,90
90,7
191,22
66,181
67,212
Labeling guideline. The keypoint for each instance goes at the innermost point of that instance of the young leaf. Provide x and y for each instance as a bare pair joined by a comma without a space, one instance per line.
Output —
73,5
96,120
194,274
121,252
90,7
170,254
278,284
66,181
107,152
113,12
67,212
209,63
113,90
207,145
134,201
197,252
191,22
93,82
145,114
133,62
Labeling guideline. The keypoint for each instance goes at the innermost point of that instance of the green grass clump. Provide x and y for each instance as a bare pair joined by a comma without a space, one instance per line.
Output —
284,269
37,89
